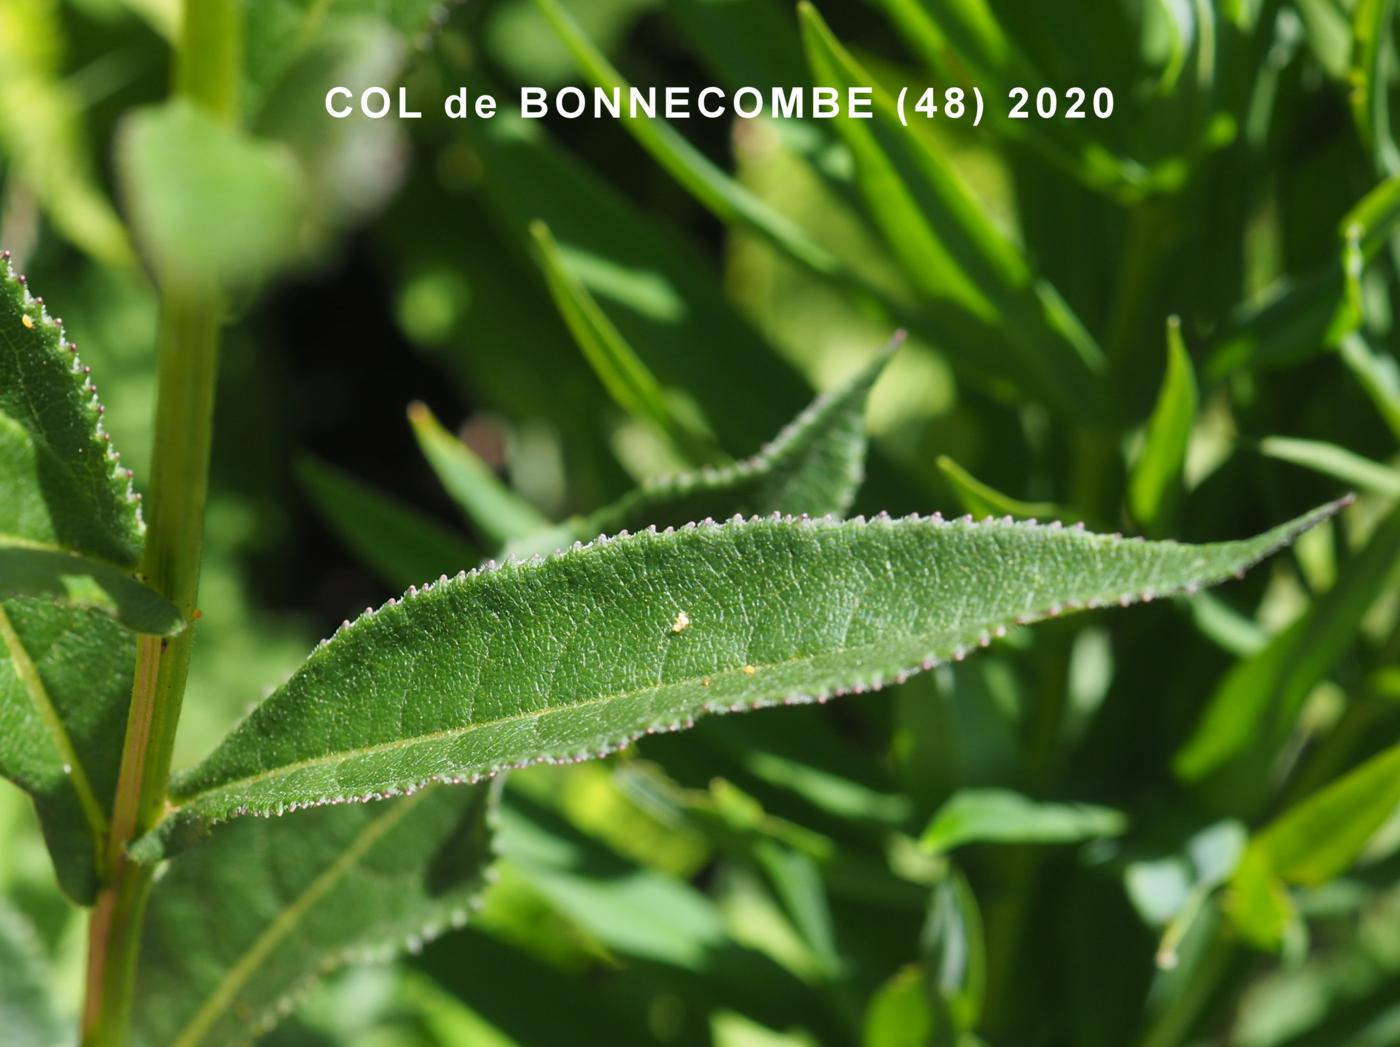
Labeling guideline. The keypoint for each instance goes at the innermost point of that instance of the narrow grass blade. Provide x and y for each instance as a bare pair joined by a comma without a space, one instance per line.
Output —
485,501
1336,462
627,380
965,39
984,500
949,247
1378,374
400,543
1371,21
720,194
1156,475
649,274
574,656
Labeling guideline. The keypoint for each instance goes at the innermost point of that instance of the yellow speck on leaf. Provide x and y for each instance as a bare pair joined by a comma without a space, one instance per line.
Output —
705,682
25,319
749,670
682,622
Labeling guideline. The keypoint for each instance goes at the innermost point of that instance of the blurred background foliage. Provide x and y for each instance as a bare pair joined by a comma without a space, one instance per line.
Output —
1174,826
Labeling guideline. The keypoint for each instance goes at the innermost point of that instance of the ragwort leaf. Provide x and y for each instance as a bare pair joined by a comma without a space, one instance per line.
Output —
813,467
65,682
70,529
70,538
239,929
575,656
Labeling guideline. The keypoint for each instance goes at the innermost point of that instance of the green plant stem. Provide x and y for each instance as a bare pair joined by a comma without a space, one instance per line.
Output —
184,414
207,73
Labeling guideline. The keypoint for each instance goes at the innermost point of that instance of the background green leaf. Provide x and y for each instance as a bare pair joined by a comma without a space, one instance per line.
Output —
1000,816
210,205
26,1010
1156,474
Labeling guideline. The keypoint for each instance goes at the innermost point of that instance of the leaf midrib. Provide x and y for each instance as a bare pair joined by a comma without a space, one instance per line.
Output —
262,946
28,674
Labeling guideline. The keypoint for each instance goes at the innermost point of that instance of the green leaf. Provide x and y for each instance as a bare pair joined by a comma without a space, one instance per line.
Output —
1312,843
955,952
952,250
499,512
1323,835
209,205
813,467
984,500
1254,707
1002,816
649,274
280,32
401,544
1326,33
26,1013
1378,374
966,39
627,380
1156,475
727,199
65,683
827,791
1371,21
1337,462
1297,317
236,931
574,656
42,133
899,1014
636,911
70,527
